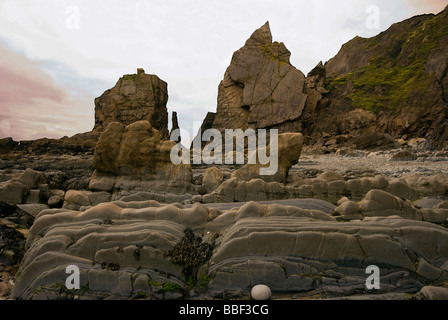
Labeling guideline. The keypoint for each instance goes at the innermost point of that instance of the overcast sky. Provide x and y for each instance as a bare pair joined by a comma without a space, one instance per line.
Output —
57,55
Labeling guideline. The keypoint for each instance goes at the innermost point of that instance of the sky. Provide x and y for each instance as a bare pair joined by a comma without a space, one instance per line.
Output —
57,56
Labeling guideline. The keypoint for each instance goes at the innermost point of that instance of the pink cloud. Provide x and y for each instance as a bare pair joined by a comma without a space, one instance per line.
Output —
428,6
33,106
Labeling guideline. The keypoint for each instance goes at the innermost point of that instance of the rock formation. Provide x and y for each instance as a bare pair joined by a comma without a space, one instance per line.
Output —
135,97
261,88
174,125
137,152
124,250
394,83
287,155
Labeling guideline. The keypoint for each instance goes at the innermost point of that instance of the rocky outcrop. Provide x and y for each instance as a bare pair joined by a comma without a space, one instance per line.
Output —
330,187
79,144
393,83
136,158
32,187
137,148
301,255
125,250
261,88
134,98
379,203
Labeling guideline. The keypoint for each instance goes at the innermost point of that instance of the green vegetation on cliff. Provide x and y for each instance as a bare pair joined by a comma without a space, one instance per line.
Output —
395,68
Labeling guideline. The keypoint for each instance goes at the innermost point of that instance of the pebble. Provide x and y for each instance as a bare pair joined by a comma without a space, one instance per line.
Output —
261,292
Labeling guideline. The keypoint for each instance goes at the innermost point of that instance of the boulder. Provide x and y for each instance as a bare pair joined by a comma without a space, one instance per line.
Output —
212,179
32,178
33,208
375,140
331,176
435,215
102,182
107,149
404,155
427,203
56,202
432,293
15,214
13,192
349,210
287,155
417,143
381,203
77,199
33,197
260,292
427,270
442,205
423,185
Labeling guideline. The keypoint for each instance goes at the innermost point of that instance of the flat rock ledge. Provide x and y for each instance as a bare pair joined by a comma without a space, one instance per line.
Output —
299,249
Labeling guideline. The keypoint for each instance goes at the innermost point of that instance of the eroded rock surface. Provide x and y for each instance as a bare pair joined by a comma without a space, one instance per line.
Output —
134,98
260,88
121,249
133,156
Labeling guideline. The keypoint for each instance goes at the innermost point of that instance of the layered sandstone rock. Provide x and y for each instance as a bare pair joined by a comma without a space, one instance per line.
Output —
122,250
135,97
135,157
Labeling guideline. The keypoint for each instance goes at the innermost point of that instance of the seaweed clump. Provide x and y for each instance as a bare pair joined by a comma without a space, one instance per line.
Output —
191,252
13,241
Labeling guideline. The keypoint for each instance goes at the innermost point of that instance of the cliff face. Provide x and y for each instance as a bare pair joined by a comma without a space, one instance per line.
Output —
134,98
394,83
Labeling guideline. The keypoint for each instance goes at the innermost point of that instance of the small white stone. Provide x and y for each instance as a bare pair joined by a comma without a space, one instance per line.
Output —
260,292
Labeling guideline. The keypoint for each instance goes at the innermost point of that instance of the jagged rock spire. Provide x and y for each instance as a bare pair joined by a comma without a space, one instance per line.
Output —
261,36
260,88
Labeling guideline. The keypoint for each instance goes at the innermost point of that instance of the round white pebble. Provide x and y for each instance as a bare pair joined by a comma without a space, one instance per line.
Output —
260,292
